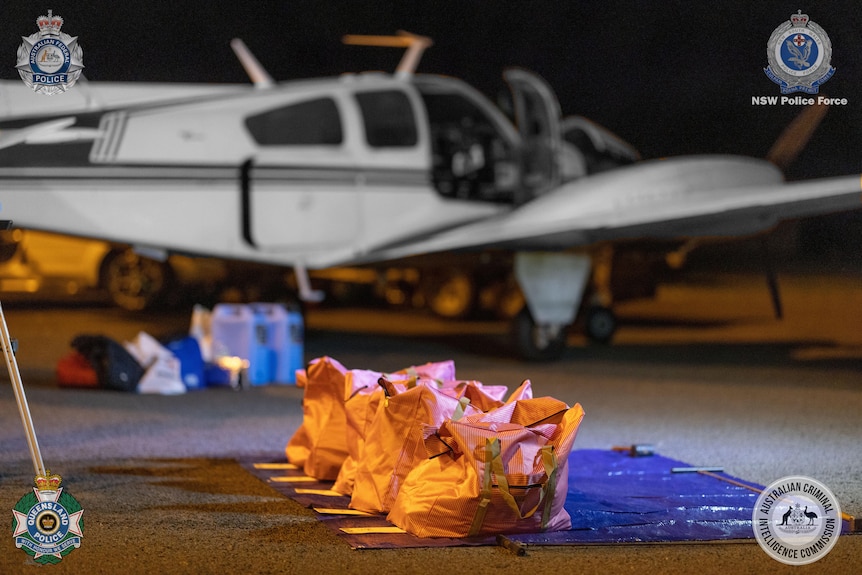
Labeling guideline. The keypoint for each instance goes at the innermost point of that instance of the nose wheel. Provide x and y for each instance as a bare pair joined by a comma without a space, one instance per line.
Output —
537,342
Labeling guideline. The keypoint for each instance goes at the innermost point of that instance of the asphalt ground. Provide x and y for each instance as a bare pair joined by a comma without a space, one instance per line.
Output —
704,373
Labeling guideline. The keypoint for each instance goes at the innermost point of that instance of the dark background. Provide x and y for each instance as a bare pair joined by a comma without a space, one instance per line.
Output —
670,77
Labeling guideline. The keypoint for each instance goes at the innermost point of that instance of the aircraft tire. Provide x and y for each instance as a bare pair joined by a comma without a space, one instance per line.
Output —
452,294
601,324
133,282
531,344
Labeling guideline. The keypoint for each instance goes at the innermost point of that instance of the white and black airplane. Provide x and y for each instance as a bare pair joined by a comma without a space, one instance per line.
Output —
365,168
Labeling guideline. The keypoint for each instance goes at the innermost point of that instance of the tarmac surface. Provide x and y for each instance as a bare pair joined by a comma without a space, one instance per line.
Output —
703,372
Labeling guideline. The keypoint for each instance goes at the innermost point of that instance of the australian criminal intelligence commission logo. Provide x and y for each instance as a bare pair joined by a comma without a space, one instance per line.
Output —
796,520
49,61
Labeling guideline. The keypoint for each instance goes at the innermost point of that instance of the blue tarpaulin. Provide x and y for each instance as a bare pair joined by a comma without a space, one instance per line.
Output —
613,498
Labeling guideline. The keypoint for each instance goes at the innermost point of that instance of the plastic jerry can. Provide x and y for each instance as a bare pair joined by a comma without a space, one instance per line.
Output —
236,331
232,330
262,360
285,340
295,349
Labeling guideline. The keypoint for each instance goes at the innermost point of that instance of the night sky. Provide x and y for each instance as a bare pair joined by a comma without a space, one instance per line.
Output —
671,77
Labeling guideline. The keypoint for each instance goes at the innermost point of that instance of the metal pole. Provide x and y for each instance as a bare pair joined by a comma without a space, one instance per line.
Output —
18,386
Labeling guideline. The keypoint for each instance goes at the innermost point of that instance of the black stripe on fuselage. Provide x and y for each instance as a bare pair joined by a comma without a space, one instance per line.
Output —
295,175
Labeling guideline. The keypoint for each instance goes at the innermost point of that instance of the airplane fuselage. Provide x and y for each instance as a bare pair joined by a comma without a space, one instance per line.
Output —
372,167
319,171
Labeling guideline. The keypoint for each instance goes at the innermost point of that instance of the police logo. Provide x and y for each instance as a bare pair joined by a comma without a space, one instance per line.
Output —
47,522
797,520
799,54
49,61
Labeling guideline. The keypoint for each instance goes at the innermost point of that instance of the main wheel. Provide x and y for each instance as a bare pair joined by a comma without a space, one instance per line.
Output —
133,282
535,342
601,324
452,295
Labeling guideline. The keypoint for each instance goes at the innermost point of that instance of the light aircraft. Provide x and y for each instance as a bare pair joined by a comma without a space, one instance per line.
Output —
374,167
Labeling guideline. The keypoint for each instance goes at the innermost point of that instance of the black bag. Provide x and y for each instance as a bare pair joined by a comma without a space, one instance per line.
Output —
115,367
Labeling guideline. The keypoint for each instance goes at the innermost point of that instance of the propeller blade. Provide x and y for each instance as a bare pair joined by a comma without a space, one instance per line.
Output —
415,45
255,70
796,136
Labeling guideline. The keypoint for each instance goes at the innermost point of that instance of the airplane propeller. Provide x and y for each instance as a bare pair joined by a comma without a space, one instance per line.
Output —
796,136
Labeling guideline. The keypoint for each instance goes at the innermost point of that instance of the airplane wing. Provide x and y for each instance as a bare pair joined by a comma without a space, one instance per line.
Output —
652,200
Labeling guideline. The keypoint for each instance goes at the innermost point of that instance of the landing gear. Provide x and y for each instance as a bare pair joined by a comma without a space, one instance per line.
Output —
135,283
553,285
537,342
452,294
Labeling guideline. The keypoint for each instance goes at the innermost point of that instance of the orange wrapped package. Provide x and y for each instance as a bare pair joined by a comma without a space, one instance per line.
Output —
319,445
394,441
360,405
362,394
505,471
334,407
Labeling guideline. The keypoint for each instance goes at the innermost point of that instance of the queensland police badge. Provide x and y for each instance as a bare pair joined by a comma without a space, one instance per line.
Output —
49,61
47,522
799,53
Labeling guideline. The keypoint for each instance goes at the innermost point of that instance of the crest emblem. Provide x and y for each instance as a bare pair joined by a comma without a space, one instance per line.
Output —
799,54
796,520
47,522
49,61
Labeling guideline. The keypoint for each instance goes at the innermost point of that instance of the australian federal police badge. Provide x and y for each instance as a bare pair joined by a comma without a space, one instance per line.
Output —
47,522
799,54
49,61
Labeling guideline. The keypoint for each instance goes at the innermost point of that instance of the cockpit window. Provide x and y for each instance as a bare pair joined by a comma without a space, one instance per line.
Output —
389,119
309,123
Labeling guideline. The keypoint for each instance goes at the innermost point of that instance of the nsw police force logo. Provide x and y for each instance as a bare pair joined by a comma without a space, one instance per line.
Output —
799,54
47,522
49,61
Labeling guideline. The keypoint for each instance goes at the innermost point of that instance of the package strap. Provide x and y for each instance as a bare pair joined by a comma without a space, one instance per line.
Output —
494,468
463,402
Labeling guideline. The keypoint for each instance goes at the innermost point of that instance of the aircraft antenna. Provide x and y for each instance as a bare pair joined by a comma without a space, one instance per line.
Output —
258,74
414,44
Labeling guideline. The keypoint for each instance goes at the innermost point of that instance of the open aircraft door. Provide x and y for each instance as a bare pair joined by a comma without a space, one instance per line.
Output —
537,114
